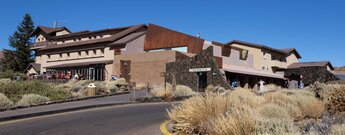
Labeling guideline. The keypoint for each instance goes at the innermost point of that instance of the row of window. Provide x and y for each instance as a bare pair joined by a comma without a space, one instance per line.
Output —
76,55
79,38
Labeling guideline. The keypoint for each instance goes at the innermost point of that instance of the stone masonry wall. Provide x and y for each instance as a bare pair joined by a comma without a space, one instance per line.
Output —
313,74
204,59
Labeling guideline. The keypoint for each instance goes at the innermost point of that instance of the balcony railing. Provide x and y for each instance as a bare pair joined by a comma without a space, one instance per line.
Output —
39,45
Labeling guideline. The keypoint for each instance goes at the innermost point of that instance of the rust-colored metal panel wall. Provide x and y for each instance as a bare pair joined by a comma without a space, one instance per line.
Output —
226,50
159,37
219,61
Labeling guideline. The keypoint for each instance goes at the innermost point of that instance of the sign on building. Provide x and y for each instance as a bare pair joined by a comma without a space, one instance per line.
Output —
199,69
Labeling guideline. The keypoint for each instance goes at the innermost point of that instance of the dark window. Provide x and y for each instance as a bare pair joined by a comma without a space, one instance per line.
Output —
244,54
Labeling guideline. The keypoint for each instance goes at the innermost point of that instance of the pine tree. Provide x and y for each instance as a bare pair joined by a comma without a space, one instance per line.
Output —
18,58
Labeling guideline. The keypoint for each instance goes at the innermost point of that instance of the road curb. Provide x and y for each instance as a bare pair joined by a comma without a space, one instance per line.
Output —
60,111
163,128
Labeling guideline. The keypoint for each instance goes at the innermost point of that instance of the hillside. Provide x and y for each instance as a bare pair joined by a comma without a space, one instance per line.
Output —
340,69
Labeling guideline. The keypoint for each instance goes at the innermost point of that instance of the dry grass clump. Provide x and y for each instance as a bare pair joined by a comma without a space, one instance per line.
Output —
161,91
32,99
299,103
140,86
242,96
5,102
236,121
275,126
182,90
272,110
168,93
338,129
193,114
210,88
243,112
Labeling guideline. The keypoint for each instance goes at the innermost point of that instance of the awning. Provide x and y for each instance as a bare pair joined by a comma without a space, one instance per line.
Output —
80,64
251,71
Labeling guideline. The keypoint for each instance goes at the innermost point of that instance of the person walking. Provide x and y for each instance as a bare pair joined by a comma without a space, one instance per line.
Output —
261,85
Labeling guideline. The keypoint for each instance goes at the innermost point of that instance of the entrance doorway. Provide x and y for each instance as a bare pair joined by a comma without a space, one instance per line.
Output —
126,70
202,80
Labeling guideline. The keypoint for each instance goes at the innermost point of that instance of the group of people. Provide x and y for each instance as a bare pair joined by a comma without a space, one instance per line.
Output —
58,75
291,84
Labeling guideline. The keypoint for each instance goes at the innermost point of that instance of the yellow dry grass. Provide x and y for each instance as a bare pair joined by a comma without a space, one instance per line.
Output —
242,111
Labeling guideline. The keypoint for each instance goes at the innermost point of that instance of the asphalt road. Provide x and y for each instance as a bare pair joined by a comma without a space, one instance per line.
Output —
134,119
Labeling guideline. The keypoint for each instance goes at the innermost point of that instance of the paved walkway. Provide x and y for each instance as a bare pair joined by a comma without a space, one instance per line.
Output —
54,108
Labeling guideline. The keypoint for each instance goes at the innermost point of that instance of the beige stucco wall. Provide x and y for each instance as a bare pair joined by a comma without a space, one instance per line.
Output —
217,50
78,57
41,38
31,71
135,46
292,58
258,57
146,67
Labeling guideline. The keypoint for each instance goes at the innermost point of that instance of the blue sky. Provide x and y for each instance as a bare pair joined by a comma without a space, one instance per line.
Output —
315,27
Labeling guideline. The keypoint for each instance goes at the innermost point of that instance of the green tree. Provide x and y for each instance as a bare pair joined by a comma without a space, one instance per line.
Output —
18,58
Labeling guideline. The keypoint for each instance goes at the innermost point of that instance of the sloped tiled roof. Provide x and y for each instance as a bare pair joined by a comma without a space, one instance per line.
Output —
310,64
48,30
36,66
255,45
110,39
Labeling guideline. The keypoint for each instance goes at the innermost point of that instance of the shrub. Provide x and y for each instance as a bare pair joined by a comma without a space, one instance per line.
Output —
5,102
271,110
121,81
160,91
2,81
335,102
10,74
32,99
237,121
15,89
193,114
298,103
241,96
274,126
243,112
140,86
182,90
338,129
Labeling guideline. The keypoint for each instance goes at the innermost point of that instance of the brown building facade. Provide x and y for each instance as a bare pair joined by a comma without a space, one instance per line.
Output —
143,53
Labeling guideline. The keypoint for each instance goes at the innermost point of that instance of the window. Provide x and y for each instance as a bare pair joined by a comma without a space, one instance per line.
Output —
38,40
274,57
179,49
263,68
244,54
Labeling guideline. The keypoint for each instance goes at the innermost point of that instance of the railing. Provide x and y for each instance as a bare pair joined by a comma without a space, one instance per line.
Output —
41,44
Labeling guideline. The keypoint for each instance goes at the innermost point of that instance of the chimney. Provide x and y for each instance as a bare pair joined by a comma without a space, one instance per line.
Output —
55,24
198,35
